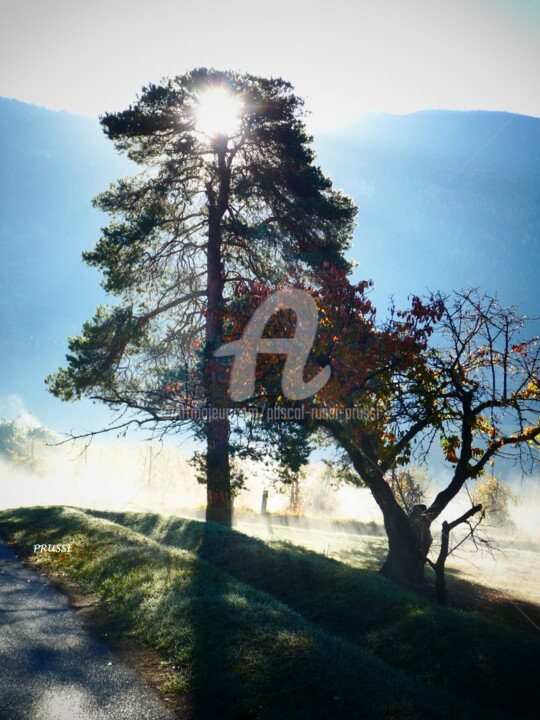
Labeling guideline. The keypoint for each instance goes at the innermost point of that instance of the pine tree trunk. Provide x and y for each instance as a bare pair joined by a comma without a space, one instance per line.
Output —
218,485
218,474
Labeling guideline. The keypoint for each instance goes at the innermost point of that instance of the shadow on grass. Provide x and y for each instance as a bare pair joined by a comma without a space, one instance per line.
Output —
461,652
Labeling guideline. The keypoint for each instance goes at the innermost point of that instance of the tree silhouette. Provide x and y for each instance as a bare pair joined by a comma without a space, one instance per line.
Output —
211,204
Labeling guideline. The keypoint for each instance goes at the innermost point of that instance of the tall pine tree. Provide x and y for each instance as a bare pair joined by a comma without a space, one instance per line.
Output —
227,190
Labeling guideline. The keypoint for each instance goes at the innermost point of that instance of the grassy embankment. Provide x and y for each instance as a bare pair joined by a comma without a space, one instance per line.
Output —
261,631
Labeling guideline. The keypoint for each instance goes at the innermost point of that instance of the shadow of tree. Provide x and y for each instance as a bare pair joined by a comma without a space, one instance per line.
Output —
462,653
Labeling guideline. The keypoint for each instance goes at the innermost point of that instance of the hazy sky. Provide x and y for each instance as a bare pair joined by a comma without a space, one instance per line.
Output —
344,57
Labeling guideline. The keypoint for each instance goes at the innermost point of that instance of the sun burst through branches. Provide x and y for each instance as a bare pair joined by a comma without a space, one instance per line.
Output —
218,112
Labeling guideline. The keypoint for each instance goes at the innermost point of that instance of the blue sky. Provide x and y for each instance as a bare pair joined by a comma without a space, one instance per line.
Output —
345,58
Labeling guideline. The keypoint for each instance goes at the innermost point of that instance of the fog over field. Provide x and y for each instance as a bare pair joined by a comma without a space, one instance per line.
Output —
124,475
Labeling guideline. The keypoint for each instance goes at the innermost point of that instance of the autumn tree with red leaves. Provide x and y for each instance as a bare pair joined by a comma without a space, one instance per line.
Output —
455,371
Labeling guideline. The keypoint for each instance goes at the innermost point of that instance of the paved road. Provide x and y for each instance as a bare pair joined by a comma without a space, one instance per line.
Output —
50,668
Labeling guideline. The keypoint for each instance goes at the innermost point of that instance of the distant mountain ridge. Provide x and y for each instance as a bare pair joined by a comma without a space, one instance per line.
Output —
446,199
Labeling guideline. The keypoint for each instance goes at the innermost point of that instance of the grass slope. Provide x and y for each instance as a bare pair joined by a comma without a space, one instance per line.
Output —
458,651
234,646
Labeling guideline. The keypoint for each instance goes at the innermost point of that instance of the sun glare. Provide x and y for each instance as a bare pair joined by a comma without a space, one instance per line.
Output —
218,112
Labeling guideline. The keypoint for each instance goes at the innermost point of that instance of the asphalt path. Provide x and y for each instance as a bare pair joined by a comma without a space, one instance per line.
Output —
51,668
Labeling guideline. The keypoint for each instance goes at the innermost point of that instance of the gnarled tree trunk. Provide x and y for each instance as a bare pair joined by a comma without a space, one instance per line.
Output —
406,557
405,561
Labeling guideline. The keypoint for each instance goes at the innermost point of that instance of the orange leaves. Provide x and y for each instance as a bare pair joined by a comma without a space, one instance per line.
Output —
173,388
532,390
531,432
520,349
482,424
449,446
527,435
